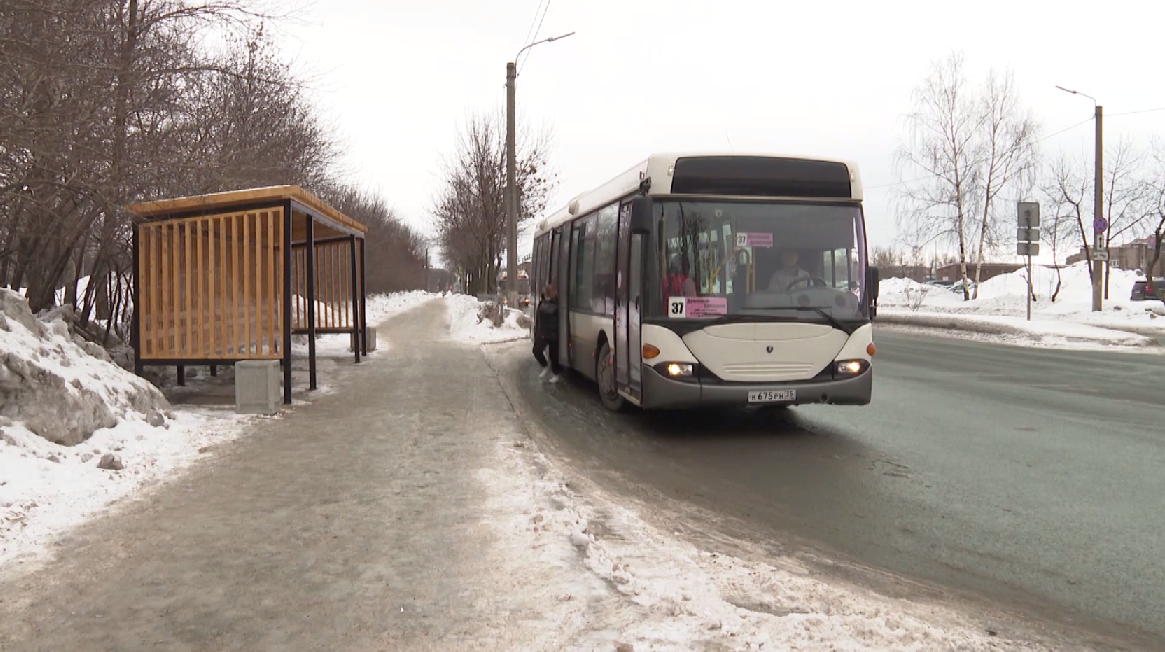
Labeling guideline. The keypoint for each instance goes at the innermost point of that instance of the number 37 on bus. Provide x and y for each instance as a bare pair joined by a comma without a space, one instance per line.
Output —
716,279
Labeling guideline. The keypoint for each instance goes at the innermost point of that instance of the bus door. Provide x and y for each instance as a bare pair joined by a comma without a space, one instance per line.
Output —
560,273
628,292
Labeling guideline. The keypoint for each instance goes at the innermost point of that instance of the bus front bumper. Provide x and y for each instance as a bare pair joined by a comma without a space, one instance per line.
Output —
660,392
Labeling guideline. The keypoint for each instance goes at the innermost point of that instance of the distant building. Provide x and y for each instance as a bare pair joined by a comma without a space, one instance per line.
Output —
1131,255
953,272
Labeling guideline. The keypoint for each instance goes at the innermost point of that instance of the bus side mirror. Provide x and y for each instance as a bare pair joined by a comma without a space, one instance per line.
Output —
873,285
641,209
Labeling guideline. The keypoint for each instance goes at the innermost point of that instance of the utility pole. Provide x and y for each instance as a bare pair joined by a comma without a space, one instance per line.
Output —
511,192
425,285
1099,224
511,198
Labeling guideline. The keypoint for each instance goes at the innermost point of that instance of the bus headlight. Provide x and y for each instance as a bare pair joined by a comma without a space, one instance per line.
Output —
847,368
678,369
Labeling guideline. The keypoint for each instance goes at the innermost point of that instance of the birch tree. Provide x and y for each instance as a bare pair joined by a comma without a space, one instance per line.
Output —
966,147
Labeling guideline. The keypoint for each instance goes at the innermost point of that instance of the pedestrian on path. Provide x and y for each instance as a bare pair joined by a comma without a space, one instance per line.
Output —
546,334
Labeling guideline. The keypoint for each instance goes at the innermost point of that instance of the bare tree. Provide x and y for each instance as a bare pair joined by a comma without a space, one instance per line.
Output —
1155,210
970,146
1062,194
1007,155
469,209
106,102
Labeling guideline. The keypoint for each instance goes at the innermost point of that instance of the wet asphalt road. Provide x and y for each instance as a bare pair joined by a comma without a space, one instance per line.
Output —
1034,479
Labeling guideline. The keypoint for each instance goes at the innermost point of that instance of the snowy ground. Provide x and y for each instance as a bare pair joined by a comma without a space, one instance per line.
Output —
46,488
999,313
465,325
657,592
380,307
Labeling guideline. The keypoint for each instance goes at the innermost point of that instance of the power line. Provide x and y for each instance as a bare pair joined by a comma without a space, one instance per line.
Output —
545,10
530,29
1113,115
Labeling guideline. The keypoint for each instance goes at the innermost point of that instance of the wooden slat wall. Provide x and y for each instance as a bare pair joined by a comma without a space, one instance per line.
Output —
333,279
211,287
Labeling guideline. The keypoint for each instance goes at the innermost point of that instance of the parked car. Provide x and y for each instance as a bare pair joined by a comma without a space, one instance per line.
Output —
1143,289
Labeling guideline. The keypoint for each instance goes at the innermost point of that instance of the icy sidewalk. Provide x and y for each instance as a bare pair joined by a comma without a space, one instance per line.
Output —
410,510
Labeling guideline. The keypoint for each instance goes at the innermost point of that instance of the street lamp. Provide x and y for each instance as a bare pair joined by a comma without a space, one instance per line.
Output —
511,171
1099,224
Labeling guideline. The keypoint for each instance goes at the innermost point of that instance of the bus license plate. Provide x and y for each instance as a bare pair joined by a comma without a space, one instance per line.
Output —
773,396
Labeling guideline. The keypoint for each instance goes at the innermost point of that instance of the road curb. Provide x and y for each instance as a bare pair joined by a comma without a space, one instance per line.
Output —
960,323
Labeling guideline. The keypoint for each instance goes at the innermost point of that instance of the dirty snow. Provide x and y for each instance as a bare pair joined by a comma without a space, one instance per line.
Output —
65,406
47,487
465,324
657,592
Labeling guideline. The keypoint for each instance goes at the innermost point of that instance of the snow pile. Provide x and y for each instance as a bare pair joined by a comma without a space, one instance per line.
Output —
59,386
469,320
77,431
659,593
1005,296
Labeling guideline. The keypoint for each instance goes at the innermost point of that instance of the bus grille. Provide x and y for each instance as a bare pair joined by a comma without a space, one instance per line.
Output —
768,371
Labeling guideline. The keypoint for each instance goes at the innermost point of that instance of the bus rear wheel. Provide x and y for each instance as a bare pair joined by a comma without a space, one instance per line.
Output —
605,376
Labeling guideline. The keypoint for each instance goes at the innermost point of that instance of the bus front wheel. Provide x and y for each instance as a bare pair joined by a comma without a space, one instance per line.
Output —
605,374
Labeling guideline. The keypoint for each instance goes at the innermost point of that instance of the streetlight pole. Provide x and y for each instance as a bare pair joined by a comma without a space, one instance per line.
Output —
1099,225
511,198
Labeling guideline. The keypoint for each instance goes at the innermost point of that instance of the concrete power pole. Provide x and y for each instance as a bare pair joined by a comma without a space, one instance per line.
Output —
1099,225
511,192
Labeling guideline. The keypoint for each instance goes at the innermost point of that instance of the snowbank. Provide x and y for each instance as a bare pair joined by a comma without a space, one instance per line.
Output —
1017,330
1006,296
467,321
61,387
78,432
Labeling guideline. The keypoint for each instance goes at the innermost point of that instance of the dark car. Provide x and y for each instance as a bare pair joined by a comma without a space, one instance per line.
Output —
1142,289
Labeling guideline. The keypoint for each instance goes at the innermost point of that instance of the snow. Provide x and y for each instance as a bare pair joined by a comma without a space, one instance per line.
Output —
465,324
47,488
41,498
380,308
659,592
1002,301
65,405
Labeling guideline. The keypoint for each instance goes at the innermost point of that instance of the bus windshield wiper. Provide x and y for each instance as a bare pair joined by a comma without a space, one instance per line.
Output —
833,321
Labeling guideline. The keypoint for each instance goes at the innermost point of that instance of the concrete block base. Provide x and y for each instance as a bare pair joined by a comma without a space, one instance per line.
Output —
257,387
371,334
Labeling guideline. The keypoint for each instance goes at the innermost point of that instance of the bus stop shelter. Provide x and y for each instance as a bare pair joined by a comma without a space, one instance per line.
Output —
232,276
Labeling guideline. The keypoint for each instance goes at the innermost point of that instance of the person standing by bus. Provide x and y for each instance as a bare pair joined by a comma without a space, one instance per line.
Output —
546,334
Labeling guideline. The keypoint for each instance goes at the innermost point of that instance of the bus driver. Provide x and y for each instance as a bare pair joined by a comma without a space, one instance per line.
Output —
789,272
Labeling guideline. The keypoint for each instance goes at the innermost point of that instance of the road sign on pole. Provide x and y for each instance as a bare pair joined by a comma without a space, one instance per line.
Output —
1025,234
1028,214
1100,225
1028,240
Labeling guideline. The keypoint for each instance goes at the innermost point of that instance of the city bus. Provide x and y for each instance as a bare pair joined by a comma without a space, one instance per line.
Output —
715,279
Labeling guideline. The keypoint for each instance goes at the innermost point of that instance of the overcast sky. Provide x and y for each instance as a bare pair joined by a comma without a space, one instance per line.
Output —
819,78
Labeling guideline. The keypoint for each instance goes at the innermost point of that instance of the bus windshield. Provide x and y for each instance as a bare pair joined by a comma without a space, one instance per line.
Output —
788,261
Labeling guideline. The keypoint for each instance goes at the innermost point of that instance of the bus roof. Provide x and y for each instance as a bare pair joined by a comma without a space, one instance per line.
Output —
660,169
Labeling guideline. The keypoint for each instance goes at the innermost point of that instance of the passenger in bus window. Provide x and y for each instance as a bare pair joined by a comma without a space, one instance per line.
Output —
789,272
677,282
546,334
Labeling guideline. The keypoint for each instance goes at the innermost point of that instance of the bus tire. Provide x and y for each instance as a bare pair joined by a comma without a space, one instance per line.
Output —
605,377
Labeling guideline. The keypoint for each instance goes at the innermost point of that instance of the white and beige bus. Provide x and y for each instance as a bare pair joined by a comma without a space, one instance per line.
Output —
716,279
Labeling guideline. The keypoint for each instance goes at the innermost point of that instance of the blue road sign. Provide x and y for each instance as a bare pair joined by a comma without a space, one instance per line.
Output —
1100,225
